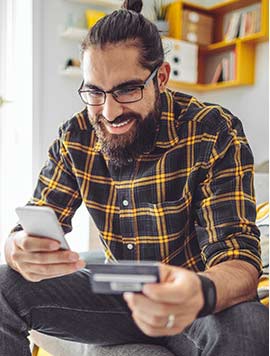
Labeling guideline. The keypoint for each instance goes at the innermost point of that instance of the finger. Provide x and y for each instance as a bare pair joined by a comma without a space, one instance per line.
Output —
145,306
153,331
59,256
33,277
164,292
30,243
166,273
52,269
176,288
171,273
150,319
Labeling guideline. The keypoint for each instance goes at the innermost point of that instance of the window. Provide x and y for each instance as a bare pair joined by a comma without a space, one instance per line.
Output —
15,116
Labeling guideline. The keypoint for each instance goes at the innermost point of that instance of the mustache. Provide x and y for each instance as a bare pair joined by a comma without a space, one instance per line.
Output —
121,118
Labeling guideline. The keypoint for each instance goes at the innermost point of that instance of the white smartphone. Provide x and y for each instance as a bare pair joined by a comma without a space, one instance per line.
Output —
41,221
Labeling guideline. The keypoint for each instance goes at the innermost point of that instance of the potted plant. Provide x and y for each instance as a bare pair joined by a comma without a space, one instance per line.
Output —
160,10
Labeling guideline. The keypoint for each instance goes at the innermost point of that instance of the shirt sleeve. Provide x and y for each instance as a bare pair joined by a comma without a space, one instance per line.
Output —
57,186
225,204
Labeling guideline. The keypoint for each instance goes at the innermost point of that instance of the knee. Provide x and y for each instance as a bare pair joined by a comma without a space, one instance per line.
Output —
249,319
243,327
13,288
8,280
11,297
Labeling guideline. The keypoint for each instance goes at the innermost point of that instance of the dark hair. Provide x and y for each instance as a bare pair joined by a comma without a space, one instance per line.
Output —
127,24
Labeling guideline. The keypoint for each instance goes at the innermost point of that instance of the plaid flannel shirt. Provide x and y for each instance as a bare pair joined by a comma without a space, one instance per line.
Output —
188,202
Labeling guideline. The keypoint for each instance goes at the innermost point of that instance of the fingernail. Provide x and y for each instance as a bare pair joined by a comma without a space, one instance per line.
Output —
128,295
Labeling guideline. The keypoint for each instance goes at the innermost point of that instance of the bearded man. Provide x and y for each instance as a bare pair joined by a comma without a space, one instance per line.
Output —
166,178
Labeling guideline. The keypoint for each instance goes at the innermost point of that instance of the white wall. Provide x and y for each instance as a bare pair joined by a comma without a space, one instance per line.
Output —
16,116
56,96
59,94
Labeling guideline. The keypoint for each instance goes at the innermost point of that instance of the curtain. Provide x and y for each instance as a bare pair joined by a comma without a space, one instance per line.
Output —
15,111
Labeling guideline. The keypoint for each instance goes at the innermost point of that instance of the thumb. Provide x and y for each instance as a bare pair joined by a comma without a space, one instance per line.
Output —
167,273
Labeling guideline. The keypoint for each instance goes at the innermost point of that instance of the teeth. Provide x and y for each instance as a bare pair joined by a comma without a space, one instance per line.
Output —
121,124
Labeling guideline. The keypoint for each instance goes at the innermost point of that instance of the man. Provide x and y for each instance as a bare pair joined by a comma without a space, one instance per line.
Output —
165,178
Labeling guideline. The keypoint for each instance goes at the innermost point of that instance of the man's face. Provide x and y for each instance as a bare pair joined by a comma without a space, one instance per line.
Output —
124,130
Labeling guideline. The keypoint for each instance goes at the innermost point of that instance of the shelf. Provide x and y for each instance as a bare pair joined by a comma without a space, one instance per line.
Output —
74,33
244,47
72,72
204,87
252,38
222,7
111,4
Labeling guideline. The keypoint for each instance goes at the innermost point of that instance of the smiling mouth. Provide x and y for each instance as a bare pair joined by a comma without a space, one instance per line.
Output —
123,123
119,127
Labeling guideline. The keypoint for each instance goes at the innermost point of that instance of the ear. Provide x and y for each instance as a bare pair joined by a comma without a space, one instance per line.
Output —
163,76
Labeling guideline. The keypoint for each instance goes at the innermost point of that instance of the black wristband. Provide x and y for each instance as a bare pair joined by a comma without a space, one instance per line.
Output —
209,296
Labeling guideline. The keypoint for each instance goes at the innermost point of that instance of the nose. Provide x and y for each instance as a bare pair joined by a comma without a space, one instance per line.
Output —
111,109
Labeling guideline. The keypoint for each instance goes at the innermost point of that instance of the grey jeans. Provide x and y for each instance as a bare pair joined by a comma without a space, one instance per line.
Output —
66,308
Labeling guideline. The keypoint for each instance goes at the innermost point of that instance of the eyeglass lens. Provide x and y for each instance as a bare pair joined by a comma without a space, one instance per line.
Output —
126,95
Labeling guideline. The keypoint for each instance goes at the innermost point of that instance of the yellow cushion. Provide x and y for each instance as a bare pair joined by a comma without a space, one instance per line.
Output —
42,352
262,210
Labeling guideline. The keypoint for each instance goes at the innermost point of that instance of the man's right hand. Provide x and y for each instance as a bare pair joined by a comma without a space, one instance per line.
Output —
38,258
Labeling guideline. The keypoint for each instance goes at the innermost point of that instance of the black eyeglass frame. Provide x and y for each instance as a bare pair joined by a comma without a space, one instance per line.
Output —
139,86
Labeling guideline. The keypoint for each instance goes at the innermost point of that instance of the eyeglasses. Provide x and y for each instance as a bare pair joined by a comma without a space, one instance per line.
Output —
126,94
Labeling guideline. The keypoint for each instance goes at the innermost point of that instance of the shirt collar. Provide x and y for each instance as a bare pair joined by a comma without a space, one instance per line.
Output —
167,135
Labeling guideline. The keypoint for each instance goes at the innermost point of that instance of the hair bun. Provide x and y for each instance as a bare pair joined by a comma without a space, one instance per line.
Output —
134,5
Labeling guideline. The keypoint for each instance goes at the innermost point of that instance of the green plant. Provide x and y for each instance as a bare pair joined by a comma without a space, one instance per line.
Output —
160,9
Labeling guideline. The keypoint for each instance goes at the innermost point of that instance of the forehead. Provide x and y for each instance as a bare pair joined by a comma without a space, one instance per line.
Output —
112,65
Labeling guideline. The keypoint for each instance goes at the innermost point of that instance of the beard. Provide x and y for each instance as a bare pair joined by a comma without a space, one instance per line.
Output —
123,148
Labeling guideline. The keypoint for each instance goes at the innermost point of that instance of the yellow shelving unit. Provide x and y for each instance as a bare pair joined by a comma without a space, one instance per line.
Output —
244,48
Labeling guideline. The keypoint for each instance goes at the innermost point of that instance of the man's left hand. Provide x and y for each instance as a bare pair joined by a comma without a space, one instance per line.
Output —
178,293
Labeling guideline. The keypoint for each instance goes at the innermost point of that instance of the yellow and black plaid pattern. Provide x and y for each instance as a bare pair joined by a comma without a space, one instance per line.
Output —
189,202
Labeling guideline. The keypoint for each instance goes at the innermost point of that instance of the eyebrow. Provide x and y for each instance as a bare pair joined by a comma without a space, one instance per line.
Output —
116,87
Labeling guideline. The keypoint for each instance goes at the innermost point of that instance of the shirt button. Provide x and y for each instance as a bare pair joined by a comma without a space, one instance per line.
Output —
125,202
130,246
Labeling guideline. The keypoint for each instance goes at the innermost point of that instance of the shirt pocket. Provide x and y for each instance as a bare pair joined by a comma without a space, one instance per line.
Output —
162,228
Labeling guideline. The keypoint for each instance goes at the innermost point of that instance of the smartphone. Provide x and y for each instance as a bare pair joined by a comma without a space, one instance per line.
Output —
125,276
41,221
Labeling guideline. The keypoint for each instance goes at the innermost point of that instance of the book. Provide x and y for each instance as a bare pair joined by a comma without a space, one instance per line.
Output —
242,30
248,28
232,65
225,69
217,77
220,67
233,26
258,19
243,23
